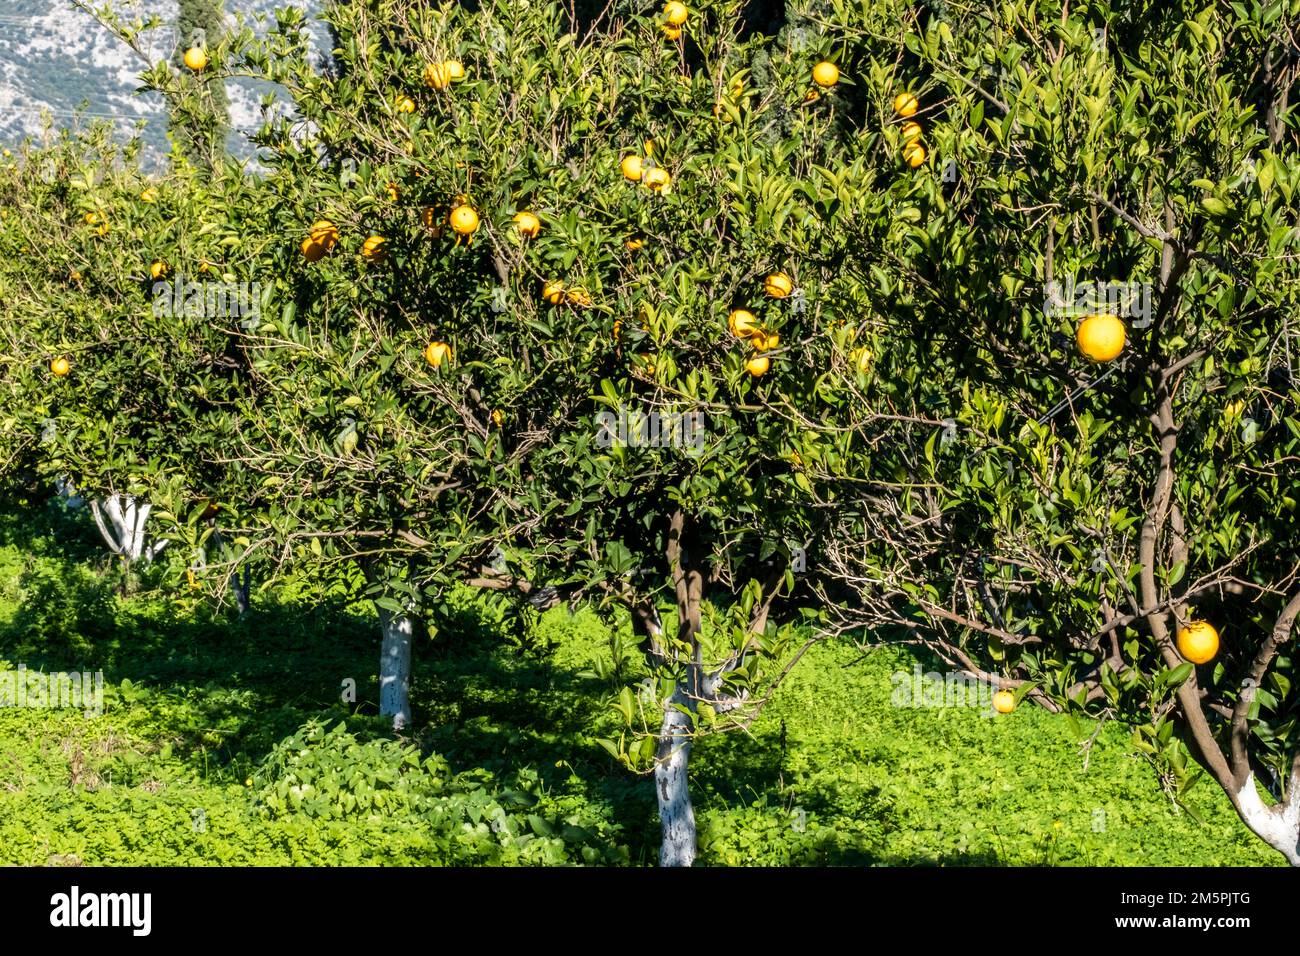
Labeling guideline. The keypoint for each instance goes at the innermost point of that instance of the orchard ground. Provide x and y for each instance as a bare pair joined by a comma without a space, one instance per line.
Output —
204,729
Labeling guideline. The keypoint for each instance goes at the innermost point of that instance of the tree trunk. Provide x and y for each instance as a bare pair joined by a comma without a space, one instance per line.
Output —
672,784
395,668
1278,825
128,519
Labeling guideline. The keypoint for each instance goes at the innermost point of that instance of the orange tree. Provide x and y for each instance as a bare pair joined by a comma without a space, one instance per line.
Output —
500,244
114,367
1104,520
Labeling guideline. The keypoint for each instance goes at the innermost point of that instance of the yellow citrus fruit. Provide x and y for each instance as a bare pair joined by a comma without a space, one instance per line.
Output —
1004,702
464,220
437,75
765,341
758,365
631,167
312,251
195,58
1198,642
675,13
150,195
905,104
436,353
914,154
672,32
632,245
527,224
324,233
374,248
578,296
657,178
778,285
553,291
455,70
911,132
826,74
405,105
1101,337
742,323
60,366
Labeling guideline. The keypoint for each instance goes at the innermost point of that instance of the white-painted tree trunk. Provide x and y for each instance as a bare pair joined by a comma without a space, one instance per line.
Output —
395,667
127,518
1278,825
672,785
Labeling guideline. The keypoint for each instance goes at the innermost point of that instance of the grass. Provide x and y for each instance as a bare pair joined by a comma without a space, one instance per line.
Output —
215,748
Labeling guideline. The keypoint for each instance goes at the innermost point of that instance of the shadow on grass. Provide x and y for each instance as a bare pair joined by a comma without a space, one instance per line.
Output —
225,690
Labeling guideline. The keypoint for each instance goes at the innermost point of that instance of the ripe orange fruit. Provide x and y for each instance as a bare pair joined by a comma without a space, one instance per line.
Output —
578,296
765,341
436,353
527,224
826,74
405,105
324,233
1198,642
1101,337
374,249
631,167
911,132
437,75
553,291
905,104
657,178
1004,702
671,32
914,154
312,251
464,220
455,70
60,366
758,365
742,323
778,285
675,13
157,269
196,58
